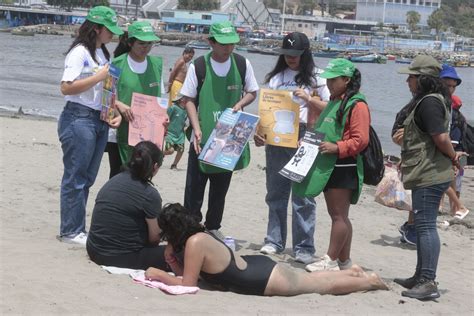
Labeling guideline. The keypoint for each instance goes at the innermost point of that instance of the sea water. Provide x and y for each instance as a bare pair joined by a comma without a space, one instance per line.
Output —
31,70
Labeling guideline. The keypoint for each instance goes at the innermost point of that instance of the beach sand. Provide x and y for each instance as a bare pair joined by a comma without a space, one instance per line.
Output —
40,275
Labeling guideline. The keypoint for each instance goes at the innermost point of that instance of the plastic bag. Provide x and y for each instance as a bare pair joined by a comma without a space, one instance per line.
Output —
390,191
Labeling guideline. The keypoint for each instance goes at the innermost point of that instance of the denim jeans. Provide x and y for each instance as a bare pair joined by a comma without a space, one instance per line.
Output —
278,194
425,208
83,137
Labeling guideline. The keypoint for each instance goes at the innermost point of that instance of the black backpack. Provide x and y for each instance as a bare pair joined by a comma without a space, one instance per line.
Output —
372,157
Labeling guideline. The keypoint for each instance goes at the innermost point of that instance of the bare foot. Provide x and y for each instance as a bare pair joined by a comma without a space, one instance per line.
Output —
377,282
358,271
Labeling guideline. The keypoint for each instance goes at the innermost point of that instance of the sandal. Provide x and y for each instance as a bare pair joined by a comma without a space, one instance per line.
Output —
460,214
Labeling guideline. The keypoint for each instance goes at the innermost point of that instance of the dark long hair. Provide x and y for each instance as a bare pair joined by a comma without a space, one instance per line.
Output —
305,74
87,36
353,88
177,225
144,156
429,84
124,45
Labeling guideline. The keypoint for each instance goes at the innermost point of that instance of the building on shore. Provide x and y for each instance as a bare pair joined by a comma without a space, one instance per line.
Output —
395,11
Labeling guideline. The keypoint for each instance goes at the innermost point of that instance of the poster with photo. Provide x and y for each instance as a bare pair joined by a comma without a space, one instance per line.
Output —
109,92
228,139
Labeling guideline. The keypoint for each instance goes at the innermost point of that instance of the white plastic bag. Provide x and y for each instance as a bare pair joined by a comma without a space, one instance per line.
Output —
390,191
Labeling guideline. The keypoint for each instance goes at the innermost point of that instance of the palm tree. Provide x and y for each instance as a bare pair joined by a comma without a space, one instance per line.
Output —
413,18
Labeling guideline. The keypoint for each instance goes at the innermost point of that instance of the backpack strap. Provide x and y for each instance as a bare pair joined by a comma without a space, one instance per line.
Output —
200,70
241,63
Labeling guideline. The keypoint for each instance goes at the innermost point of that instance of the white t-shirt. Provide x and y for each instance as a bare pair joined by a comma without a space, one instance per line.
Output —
190,84
285,80
75,65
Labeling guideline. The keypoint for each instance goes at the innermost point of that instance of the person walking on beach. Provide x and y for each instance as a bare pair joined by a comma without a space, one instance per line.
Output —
175,134
214,82
83,135
140,73
451,80
124,228
427,160
193,254
338,168
178,74
295,71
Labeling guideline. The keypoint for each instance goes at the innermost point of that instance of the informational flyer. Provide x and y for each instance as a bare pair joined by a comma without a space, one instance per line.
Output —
228,139
109,92
149,115
297,168
279,117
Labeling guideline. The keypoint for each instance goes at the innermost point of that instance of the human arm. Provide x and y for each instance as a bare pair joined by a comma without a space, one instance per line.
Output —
153,231
124,110
194,120
115,121
176,69
356,132
193,261
397,137
314,103
171,260
443,143
246,100
80,85
259,140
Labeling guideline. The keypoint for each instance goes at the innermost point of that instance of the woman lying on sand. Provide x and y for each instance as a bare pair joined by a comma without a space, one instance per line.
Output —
209,258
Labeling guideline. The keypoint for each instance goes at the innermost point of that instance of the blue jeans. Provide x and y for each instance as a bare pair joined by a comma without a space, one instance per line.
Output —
83,137
425,208
278,194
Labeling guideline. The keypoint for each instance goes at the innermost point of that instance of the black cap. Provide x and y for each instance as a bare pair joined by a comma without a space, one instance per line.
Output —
294,44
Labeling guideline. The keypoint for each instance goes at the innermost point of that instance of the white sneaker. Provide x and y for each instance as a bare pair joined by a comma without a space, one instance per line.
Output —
324,264
80,239
344,265
217,233
268,250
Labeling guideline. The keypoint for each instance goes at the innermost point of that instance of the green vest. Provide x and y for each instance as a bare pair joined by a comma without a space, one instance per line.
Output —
148,83
422,163
319,174
216,95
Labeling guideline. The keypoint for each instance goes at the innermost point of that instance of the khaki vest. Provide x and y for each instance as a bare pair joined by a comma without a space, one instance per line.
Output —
422,163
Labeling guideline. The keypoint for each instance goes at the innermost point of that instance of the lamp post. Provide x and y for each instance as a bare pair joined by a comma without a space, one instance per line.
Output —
283,18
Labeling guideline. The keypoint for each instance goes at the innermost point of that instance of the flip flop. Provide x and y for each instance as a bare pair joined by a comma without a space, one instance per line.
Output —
461,215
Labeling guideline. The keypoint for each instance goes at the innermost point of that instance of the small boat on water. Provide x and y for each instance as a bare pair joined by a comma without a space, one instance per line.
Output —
262,50
371,58
199,45
176,43
22,32
403,60
326,54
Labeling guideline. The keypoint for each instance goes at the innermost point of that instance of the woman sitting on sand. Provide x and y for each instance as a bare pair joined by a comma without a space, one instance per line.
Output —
207,257
124,228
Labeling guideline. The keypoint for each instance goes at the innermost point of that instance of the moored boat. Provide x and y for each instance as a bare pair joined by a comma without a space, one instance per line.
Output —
176,43
22,32
403,60
326,54
198,45
371,58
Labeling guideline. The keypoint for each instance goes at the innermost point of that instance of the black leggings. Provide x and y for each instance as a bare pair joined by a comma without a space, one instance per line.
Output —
114,159
143,259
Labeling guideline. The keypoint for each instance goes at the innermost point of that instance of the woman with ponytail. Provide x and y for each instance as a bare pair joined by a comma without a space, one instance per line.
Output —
140,73
124,228
338,169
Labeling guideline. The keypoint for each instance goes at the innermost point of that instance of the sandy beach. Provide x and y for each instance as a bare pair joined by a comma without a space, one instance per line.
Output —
40,275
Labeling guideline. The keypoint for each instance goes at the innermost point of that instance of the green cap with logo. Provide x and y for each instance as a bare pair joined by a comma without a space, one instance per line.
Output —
422,65
338,67
224,33
104,16
142,31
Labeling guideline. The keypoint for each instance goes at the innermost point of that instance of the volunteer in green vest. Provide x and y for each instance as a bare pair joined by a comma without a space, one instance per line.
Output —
222,88
140,73
427,168
338,169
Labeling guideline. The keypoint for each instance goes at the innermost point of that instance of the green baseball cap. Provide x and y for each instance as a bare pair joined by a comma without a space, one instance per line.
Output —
224,33
422,65
338,67
142,31
104,16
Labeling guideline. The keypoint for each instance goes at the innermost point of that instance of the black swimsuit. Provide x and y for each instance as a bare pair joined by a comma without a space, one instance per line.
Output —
253,280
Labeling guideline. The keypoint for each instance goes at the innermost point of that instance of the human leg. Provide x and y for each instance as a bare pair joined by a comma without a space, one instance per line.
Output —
278,194
83,137
425,207
286,282
142,259
303,225
218,186
195,185
338,202
115,162
177,158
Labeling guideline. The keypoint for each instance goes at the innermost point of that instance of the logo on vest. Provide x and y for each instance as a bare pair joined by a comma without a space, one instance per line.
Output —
233,87
328,120
154,84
